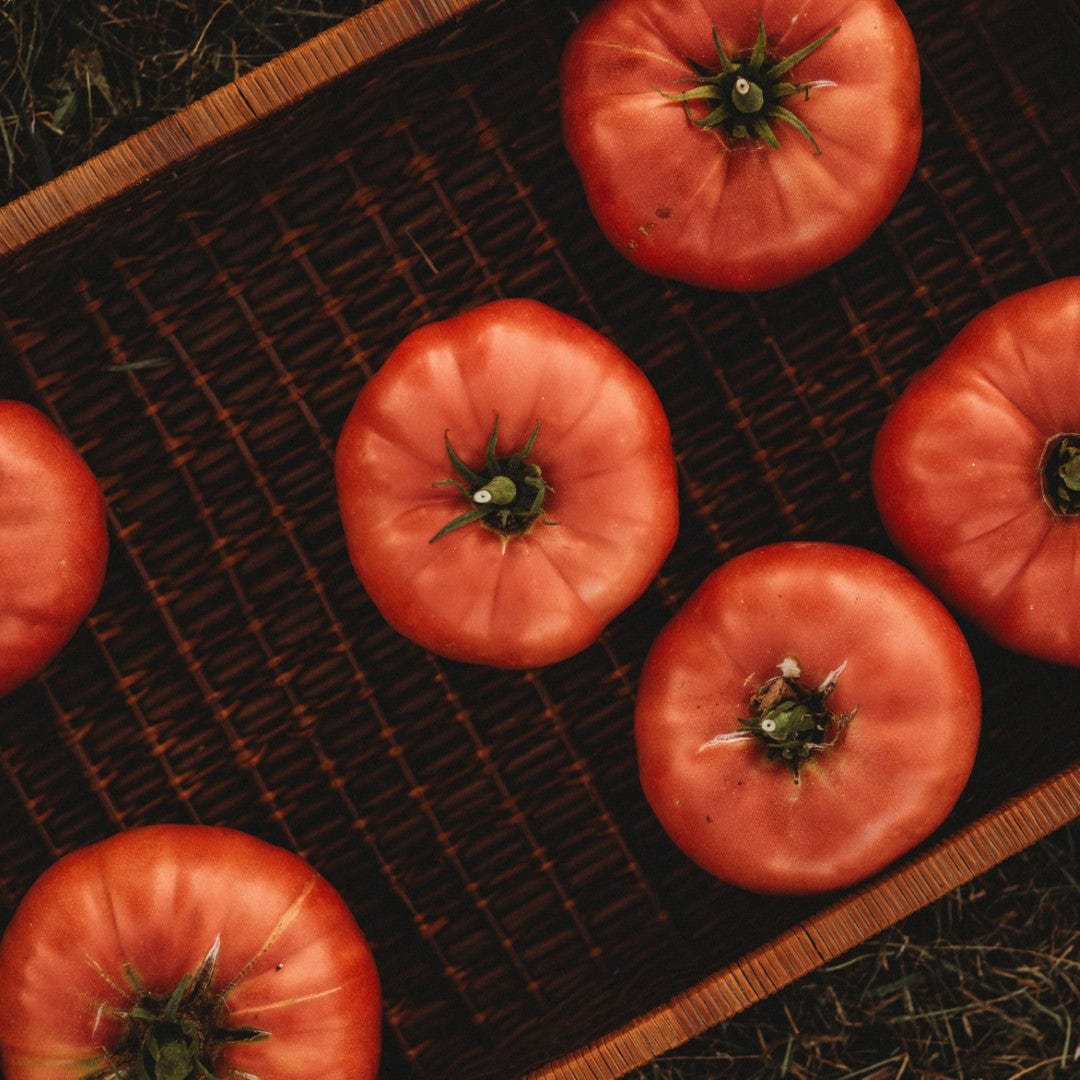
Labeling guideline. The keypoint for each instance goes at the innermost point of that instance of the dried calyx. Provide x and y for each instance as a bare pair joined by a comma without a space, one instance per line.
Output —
174,1036
1060,470
744,94
505,494
791,721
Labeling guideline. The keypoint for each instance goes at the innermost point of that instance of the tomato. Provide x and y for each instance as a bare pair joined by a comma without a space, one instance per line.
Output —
809,715
507,485
976,472
196,945
53,542
715,160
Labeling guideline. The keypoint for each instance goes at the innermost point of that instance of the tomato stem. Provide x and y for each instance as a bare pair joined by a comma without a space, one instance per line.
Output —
505,494
176,1035
743,94
790,720
1060,471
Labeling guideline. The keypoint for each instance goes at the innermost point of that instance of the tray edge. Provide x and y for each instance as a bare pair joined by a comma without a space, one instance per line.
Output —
224,112
954,861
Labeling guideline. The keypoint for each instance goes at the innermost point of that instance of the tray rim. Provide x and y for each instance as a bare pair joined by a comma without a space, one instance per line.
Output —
220,114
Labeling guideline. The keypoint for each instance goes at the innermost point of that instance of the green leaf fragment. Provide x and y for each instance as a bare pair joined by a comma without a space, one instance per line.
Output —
782,67
472,478
726,66
757,54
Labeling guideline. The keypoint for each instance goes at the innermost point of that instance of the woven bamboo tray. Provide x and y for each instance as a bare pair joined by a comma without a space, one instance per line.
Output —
197,310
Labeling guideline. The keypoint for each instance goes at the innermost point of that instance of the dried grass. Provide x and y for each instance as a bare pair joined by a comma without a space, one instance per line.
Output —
983,985
77,76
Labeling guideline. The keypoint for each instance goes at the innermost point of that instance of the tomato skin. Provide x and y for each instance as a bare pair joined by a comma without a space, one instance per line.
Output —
604,447
956,472
53,542
681,202
896,769
156,898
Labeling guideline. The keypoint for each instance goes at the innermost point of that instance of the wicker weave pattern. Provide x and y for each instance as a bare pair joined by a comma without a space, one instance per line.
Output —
201,335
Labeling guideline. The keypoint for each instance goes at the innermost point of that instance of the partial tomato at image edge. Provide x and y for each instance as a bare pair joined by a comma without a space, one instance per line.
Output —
976,472
200,944
735,153
53,542
809,715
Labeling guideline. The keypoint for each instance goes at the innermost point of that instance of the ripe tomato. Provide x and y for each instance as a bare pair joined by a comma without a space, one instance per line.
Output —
53,542
507,485
976,472
809,715
706,158
194,946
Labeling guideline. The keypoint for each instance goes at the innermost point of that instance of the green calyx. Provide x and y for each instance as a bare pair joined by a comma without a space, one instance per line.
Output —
1060,469
174,1036
792,721
504,494
744,94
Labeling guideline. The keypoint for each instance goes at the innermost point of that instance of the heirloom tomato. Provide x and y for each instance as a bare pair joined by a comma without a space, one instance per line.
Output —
507,485
53,542
173,952
741,144
976,472
809,715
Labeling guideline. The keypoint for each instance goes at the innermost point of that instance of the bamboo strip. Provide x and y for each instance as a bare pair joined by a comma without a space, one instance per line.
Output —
226,111
972,851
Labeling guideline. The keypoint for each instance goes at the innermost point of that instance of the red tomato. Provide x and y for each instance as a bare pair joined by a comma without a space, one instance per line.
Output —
53,542
976,472
280,982
715,204
809,715
530,573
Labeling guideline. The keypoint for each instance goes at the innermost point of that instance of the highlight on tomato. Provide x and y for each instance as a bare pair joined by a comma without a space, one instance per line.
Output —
741,144
507,485
171,952
54,542
809,715
976,472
